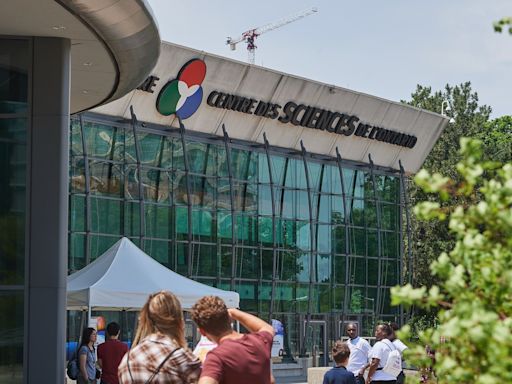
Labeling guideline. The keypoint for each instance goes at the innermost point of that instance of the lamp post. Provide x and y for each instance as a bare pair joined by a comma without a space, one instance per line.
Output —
446,109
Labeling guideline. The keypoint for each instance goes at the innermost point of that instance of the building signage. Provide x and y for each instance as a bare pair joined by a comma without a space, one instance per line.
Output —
310,117
183,96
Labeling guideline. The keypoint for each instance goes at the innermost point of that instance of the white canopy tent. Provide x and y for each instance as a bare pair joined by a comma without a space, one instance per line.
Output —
123,278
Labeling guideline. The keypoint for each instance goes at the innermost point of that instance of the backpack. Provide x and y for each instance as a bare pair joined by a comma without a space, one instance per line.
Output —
72,368
393,364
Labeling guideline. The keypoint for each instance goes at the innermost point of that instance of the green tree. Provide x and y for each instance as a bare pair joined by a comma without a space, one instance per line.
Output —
460,103
474,293
497,139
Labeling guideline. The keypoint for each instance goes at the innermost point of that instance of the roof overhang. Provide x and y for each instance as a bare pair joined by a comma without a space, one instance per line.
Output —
361,125
114,43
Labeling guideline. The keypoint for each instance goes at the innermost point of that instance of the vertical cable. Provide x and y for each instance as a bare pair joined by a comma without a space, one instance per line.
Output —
274,240
347,238
232,200
312,244
142,211
87,176
189,197
378,305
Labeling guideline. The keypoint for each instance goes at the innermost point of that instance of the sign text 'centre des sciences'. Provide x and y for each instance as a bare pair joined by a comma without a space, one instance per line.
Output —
310,117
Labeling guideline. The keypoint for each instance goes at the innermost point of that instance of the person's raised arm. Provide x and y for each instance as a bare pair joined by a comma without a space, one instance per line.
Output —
251,322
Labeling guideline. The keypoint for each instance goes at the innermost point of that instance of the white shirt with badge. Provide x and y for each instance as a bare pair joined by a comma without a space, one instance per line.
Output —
359,349
381,351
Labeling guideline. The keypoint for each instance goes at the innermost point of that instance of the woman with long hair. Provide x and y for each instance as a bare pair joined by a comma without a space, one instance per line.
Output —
87,357
159,352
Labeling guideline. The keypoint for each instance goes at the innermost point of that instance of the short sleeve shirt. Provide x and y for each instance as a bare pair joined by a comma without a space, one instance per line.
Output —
90,362
381,351
245,360
111,353
359,349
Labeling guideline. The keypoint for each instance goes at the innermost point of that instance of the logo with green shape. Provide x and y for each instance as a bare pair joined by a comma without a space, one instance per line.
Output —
183,95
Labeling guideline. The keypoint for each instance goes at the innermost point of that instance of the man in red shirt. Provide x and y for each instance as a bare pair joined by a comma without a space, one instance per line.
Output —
239,358
110,354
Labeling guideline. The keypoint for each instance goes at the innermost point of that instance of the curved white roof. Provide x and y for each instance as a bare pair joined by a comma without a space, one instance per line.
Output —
114,43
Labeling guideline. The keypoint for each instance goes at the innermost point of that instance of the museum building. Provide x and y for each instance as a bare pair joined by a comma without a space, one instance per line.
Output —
285,190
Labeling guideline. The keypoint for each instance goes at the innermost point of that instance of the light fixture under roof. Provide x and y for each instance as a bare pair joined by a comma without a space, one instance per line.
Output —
58,27
85,91
87,63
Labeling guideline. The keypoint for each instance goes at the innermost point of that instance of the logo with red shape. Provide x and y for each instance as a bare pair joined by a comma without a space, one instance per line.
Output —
183,95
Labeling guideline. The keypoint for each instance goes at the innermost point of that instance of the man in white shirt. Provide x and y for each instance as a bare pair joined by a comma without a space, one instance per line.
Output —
359,349
378,356
401,348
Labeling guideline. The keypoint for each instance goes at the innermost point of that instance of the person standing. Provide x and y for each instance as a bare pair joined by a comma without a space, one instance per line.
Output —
378,356
87,357
359,349
159,351
110,354
401,348
339,374
238,358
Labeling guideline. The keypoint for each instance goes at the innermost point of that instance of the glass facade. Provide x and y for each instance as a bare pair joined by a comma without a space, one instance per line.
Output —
313,242
14,120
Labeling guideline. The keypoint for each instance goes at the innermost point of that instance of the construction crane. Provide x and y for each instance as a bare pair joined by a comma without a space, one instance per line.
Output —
250,36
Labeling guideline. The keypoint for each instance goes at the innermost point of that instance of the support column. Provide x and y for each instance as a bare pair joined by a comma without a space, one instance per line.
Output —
48,211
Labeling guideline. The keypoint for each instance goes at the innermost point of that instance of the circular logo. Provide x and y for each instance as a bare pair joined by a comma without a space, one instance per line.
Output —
183,95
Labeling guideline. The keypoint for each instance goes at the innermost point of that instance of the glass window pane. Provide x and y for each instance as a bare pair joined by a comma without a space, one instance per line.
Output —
357,270
339,269
158,221
131,219
323,268
202,225
390,242
104,141
76,252
14,64
13,129
323,238
12,327
161,251
303,231
205,260
390,273
77,213
155,184
248,263
106,216
390,216
267,256
358,241
106,179
12,212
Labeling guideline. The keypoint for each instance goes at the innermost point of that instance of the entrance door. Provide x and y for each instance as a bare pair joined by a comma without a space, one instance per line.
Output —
315,338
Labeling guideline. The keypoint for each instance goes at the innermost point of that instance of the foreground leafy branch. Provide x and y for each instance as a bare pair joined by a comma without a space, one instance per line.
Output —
506,22
473,339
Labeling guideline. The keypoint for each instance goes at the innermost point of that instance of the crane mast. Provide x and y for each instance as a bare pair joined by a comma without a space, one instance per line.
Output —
250,36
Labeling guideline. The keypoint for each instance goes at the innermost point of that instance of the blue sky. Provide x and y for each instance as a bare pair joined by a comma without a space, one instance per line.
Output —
380,47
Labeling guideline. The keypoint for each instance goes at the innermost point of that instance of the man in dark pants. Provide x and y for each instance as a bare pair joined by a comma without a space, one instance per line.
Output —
378,356
110,354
